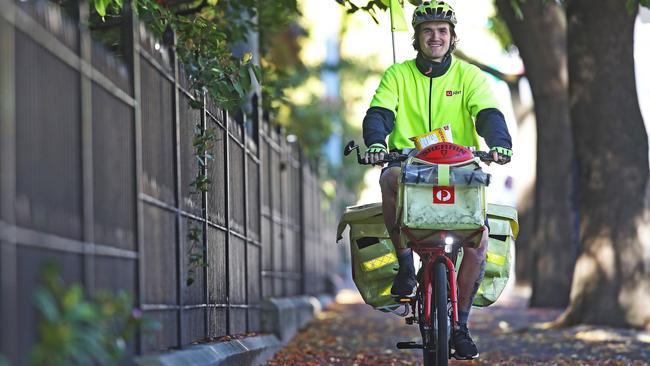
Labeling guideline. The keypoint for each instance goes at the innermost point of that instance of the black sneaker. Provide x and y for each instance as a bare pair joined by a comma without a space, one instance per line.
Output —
463,346
404,284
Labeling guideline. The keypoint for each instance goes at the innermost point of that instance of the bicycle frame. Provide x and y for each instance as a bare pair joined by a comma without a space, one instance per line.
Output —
434,249
429,254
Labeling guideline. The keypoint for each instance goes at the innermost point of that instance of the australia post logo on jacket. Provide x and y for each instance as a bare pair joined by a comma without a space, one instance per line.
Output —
443,195
451,93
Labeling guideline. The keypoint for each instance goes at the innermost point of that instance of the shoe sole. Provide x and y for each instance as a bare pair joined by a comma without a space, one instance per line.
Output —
464,358
409,296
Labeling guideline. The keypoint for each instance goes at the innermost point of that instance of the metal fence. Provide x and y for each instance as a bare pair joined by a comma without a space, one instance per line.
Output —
96,161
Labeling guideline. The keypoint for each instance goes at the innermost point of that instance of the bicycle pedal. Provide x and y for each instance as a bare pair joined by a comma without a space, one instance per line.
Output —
408,345
410,320
403,299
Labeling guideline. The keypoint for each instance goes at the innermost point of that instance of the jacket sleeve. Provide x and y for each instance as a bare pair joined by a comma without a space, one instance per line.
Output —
380,117
491,125
377,124
479,93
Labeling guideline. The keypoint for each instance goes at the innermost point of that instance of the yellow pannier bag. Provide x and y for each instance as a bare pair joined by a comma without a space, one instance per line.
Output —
374,262
504,228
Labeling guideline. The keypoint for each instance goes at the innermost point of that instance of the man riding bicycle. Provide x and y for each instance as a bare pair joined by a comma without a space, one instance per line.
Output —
415,97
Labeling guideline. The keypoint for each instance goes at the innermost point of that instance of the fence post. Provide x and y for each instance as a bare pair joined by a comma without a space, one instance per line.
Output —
226,123
206,207
8,251
85,54
131,50
246,232
257,115
284,165
270,151
303,223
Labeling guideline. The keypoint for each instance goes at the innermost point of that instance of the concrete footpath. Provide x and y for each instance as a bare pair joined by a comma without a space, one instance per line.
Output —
507,333
282,318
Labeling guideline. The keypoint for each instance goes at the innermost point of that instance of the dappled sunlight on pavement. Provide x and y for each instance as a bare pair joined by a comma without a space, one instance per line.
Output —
349,296
507,333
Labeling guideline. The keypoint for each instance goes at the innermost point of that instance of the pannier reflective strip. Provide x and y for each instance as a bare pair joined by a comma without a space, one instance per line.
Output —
499,260
379,262
386,291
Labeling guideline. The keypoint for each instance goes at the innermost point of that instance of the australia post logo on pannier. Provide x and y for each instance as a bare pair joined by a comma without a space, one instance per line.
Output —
443,195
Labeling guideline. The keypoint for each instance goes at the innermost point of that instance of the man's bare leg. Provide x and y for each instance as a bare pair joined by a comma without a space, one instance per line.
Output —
389,184
404,283
470,275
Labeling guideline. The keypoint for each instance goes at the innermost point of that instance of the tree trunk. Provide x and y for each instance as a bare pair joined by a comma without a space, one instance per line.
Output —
611,284
541,40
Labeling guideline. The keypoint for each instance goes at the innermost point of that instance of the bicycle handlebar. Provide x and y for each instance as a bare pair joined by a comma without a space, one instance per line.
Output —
484,156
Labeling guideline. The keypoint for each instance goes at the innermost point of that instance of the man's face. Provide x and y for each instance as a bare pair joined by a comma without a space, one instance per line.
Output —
434,38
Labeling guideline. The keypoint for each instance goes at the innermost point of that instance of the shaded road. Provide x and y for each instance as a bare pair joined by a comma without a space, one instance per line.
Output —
506,334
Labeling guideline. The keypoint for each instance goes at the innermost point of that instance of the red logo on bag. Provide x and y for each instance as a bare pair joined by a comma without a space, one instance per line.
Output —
443,195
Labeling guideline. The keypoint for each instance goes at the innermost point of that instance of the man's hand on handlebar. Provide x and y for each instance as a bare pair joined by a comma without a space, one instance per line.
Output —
375,154
501,155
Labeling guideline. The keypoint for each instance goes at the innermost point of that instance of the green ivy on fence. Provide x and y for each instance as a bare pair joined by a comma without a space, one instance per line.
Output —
195,253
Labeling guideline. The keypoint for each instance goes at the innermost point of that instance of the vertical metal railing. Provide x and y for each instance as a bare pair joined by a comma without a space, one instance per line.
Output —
131,48
204,227
246,231
8,247
88,223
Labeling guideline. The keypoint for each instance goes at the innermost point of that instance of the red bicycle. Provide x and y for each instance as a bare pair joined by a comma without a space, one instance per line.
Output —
435,306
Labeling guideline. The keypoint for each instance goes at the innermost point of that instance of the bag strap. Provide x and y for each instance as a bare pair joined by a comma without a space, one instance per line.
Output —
443,175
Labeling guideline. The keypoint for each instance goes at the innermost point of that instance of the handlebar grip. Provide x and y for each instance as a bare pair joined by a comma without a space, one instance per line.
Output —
484,156
389,158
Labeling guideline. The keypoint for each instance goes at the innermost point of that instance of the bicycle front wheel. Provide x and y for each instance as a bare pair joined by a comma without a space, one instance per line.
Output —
435,335
441,314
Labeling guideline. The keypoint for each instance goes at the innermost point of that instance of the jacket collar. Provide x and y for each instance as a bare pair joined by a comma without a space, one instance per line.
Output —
430,68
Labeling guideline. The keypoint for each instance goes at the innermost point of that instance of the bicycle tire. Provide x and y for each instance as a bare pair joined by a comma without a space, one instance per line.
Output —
428,346
435,338
441,314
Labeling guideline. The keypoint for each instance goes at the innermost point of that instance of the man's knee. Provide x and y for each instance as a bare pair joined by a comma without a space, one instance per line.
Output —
482,248
479,252
389,179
